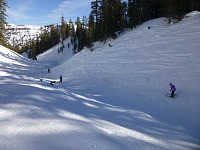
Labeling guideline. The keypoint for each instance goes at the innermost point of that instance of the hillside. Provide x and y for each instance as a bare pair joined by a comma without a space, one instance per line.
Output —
111,98
21,34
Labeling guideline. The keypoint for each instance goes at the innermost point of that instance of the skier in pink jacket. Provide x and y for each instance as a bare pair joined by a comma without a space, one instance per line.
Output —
172,88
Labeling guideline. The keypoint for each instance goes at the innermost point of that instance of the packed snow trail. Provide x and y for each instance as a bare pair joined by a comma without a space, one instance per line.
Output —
111,98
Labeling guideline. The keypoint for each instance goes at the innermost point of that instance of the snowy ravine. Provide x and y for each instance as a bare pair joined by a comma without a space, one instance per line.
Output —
110,99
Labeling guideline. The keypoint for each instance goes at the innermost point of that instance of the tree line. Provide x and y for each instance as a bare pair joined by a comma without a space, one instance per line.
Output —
55,34
110,16
3,6
107,18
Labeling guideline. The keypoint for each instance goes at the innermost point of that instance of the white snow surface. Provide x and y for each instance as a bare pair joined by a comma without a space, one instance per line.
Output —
110,99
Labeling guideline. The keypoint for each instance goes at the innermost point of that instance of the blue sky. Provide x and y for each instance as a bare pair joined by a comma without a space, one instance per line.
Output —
45,12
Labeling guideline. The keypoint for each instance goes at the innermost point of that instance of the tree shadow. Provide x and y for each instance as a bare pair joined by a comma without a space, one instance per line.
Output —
109,115
70,112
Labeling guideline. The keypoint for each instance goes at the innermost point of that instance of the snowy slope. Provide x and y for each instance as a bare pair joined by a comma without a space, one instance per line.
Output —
111,98
21,34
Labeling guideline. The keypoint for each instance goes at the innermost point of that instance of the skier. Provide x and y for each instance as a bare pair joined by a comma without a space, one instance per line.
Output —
60,78
49,70
172,88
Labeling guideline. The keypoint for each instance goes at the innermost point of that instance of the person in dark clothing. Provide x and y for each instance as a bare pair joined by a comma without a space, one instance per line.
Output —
172,89
60,78
49,70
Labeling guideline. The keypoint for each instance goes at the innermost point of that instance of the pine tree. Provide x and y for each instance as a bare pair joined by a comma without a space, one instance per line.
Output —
124,12
3,6
109,18
96,12
183,8
119,15
44,41
84,31
148,9
143,10
67,32
176,9
63,29
157,9
91,31
194,5
132,19
79,33
37,46
54,36
101,26
71,29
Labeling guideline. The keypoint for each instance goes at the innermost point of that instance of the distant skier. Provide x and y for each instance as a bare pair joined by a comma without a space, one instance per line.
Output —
60,78
49,70
172,89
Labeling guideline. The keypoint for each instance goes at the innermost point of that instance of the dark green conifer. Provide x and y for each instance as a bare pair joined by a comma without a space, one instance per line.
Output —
3,6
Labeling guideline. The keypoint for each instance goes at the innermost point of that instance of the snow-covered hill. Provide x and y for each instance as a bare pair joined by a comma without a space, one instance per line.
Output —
21,34
111,98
